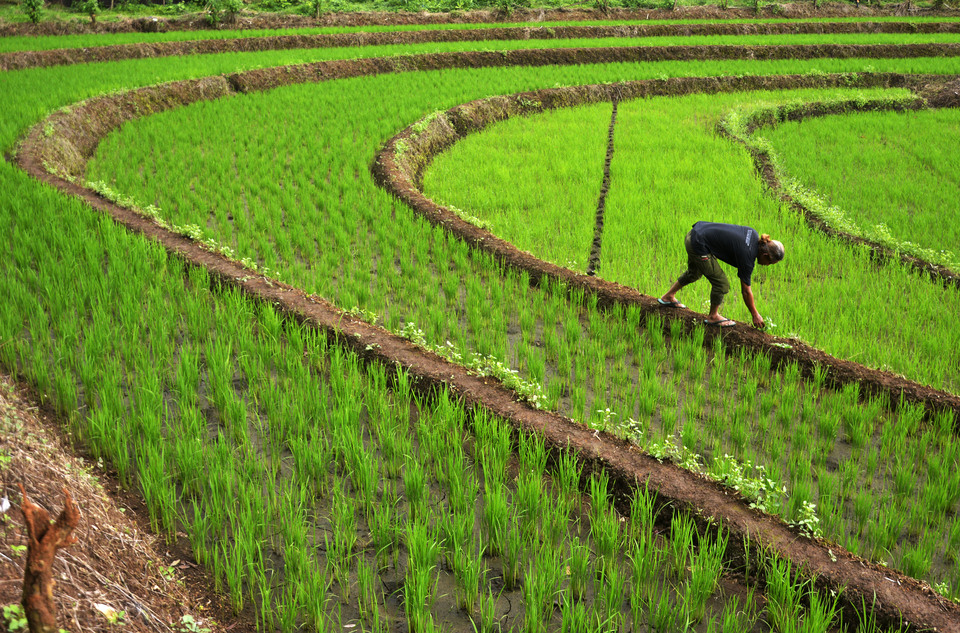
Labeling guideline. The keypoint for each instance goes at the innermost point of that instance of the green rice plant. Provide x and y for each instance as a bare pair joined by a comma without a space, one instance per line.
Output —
609,601
579,564
605,534
647,559
574,617
529,498
555,521
682,532
199,530
822,613
469,570
511,556
916,561
785,595
488,612
496,519
456,530
667,614
705,570
533,454
642,516
419,593
367,600
235,573
734,619
341,544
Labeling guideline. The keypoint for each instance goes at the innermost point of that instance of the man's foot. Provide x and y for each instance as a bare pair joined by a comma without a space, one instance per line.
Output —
721,322
670,303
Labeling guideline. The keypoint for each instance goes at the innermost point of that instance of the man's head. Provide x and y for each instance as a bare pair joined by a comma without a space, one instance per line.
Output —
770,252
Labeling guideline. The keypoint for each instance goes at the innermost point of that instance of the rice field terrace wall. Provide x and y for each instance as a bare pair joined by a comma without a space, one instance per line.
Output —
66,56
57,151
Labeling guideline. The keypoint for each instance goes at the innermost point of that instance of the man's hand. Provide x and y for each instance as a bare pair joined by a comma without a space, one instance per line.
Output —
758,322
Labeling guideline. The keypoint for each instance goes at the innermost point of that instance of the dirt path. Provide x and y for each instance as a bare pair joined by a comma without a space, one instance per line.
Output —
594,262
78,131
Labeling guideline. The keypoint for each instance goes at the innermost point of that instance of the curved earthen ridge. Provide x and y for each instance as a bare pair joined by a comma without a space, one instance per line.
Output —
765,168
75,133
67,56
247,21
401,174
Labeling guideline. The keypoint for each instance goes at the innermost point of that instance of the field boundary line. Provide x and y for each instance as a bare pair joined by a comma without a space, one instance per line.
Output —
19,60
594,262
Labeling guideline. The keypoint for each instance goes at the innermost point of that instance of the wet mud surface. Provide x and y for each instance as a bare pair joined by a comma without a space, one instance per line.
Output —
77,132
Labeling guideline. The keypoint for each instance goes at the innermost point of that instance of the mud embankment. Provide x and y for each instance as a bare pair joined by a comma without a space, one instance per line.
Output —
67,139
249,21
68,56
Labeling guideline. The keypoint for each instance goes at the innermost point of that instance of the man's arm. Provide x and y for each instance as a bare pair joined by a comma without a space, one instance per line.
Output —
751,305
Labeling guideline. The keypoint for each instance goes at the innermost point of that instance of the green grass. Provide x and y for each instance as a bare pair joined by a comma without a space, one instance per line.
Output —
849,160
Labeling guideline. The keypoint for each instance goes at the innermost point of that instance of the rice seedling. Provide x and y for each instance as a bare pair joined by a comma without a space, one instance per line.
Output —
666,614
705,569
367,583
785,592
340,546
496,519
682,531
608,605
529,498
556,521
574,616
415,487
511,556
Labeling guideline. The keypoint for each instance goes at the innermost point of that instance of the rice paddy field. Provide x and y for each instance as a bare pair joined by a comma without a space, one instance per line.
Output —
324,490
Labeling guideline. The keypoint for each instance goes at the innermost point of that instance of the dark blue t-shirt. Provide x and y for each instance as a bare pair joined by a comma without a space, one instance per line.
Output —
730,243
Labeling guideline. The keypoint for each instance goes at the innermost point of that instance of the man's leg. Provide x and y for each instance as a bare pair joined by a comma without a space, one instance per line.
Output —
688,277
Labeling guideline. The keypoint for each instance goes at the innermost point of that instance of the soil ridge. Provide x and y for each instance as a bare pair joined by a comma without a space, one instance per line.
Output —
68,56
249,21
898,597
594,262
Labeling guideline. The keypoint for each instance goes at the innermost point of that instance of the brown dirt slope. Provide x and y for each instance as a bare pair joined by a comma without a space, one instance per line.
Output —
897,596
117,569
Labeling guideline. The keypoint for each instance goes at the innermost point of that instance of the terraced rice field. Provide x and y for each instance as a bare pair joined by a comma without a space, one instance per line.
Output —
327,309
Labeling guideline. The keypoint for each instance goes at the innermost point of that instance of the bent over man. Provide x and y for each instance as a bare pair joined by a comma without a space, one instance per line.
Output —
709,243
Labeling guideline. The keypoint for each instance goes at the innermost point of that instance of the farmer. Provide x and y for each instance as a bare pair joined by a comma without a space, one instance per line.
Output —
739,246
